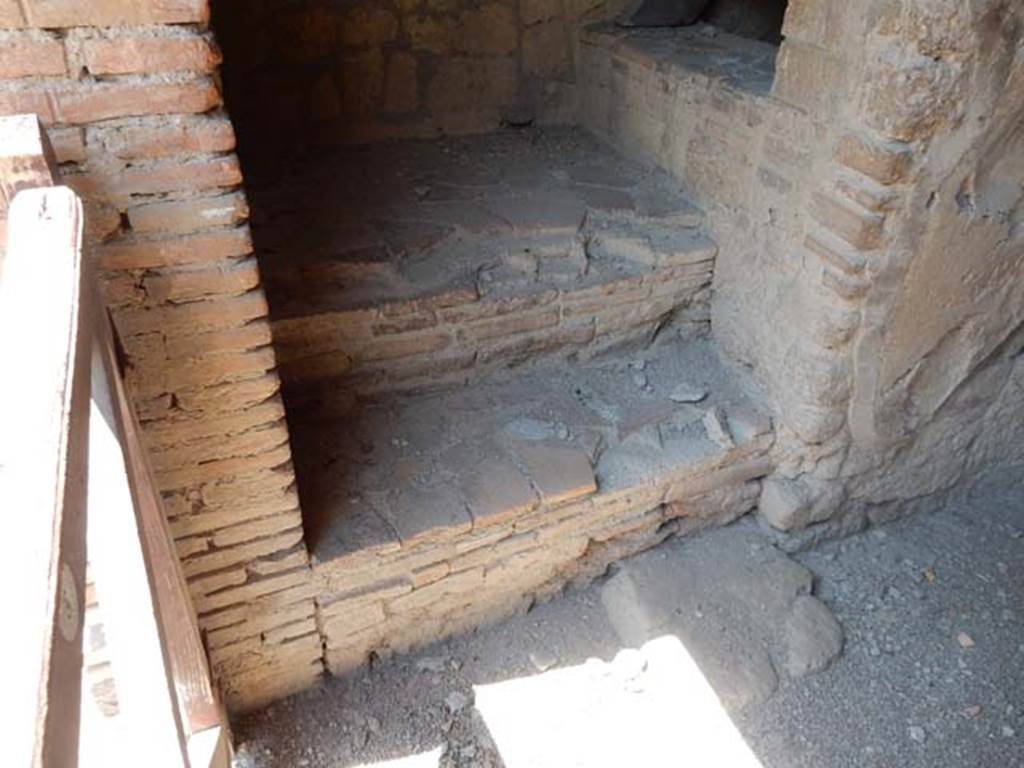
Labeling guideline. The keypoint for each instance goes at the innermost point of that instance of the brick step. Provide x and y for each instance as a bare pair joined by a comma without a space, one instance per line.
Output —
432,262
431,513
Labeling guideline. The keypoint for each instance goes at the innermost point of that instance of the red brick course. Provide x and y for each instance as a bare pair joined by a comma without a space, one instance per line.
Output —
132,106
47,14
149,55
31,58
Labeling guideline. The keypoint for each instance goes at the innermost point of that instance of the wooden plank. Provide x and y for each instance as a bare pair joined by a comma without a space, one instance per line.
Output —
200,709
210,749
127,584
26,161
44,400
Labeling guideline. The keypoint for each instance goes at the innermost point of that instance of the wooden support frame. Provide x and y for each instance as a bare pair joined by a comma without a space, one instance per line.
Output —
58,349
160,667
44,402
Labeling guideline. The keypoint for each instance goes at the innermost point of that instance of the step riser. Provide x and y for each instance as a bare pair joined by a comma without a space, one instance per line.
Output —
391,602
409,346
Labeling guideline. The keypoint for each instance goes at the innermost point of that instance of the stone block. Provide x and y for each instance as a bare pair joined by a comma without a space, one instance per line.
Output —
159,179
915,99
130,55
305,33
496,491
401,83
232,278
368,24
68,144
534,11
791,505
106,13
844,285
415,512
400,346
835,253
35,55
810,78
559,471
813,637
240,554
488,30
189,215
508,325
78,104
251,530
361,82
429,33
467,83
546,52
885,162
450,590
177,251
861,229
176,136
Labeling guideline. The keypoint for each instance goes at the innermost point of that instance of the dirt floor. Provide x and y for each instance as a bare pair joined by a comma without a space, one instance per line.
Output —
621,672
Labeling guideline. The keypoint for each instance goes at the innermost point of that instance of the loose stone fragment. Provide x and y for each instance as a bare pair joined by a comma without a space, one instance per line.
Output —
688,393
456,701
715,426
813,637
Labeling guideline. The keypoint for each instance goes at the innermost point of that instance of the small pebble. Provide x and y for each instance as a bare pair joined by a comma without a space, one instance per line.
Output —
687,393
542,660
456,701
433,664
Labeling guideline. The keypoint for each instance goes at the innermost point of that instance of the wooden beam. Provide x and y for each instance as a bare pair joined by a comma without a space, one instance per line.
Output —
26,161
199,707
44,406
127,581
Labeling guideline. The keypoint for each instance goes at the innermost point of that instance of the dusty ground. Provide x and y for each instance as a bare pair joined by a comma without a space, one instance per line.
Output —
932,673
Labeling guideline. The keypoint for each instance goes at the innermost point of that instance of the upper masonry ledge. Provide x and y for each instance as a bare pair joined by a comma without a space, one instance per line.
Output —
697,53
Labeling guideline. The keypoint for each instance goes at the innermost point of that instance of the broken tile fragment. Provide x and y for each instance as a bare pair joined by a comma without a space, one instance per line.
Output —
497,491
419,511
717,428
559,471
688,393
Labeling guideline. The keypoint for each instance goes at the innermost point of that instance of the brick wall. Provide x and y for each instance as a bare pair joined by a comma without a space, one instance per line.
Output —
129,92
322,73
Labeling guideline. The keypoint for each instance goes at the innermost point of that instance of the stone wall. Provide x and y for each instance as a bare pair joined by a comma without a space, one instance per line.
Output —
316,73
755,140
938,402
933,260
869,228
130,96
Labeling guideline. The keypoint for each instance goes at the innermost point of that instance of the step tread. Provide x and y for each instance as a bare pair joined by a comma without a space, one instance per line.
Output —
360,229
402,469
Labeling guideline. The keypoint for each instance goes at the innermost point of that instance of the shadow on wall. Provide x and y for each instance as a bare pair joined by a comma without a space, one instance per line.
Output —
754,19
311,73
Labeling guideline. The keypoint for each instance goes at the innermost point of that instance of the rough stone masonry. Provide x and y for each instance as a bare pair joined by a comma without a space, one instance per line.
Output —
861,182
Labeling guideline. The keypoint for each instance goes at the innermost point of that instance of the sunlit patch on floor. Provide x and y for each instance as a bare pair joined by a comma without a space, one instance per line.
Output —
429,759
649,707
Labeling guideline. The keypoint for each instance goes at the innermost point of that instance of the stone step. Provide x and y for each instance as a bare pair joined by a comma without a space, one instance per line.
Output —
432,262
429,513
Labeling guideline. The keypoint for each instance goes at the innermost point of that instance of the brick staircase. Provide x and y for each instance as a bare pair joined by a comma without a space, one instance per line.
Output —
498,378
